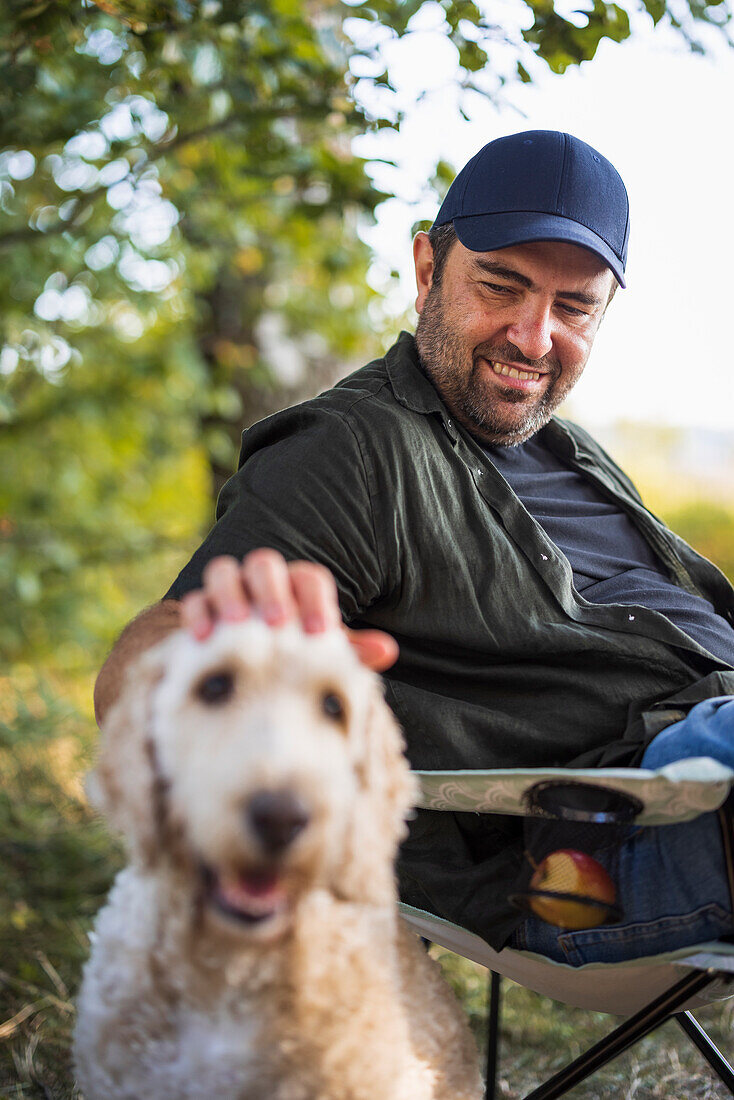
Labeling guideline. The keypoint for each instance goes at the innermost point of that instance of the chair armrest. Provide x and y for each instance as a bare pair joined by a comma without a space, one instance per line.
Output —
678,792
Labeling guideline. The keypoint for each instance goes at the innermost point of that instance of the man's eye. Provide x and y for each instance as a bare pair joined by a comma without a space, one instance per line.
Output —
498,288
572,311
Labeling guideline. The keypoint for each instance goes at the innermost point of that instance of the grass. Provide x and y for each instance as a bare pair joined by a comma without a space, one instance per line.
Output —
56,864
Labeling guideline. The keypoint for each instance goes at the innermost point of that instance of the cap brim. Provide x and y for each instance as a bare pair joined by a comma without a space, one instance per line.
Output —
487,232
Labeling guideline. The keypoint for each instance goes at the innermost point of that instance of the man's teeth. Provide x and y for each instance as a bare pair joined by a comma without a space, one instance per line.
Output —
512,372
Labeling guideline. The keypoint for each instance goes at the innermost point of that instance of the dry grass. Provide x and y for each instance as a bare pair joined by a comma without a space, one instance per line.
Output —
56,863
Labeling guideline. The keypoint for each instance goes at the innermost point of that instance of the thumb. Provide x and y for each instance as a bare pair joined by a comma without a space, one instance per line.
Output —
374,648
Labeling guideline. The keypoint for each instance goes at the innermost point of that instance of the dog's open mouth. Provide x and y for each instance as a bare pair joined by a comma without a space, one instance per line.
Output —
250,897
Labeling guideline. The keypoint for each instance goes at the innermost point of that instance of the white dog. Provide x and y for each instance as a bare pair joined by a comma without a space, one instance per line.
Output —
252,950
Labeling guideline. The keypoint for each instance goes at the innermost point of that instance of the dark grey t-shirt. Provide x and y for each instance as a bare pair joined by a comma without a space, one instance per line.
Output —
611,561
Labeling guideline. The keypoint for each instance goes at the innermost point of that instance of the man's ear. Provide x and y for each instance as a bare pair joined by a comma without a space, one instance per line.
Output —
423,259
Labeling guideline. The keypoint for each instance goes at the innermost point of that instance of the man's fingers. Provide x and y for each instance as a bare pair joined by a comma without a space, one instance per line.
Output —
224,590
196,616
222,597
315,591
278,591
266,576
374,648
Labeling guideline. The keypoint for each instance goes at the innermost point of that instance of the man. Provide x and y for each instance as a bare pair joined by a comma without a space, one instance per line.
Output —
543,616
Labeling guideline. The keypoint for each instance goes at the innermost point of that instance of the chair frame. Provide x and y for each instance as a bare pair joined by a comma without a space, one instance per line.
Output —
665,1007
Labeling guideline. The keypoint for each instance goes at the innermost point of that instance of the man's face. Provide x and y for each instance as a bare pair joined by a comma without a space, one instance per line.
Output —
506,335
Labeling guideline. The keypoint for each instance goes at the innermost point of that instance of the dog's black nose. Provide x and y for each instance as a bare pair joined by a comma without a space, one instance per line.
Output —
276,818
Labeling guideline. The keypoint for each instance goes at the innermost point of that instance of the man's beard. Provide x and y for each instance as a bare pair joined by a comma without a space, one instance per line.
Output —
459,382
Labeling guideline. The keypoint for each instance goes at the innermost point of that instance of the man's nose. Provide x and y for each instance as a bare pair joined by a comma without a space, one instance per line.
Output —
532,332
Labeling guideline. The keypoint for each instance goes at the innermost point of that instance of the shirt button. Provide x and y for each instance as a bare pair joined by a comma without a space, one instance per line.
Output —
478,473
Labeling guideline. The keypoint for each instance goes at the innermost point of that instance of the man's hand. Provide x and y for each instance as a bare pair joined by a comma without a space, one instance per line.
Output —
278,591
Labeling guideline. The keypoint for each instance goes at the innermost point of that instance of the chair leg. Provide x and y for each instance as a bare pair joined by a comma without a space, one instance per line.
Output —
711,1053
493,1035
637,1027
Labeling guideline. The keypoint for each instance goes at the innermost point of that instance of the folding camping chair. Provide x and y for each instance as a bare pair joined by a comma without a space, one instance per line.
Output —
649,990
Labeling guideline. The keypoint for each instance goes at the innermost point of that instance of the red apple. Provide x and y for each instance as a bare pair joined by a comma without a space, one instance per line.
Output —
571,872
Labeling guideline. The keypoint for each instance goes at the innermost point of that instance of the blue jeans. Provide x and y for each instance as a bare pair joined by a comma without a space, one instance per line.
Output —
672,880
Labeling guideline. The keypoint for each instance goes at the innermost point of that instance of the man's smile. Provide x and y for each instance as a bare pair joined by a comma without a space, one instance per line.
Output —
518,378
513,372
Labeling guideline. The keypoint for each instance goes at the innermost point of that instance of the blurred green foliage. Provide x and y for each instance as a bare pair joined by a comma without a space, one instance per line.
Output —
173,178
709,527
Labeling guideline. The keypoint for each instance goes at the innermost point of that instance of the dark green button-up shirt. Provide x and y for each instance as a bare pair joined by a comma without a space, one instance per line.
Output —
502,663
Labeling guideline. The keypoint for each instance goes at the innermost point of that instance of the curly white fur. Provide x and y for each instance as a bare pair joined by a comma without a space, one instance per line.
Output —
324,995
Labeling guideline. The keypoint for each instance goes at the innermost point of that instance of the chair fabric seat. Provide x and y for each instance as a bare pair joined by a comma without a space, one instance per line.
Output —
619,988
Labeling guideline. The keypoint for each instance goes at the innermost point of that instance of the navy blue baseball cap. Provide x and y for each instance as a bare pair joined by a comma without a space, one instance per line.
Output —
540,185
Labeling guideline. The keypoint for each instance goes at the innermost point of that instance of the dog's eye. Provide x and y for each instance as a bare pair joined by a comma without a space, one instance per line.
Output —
216,688
332,705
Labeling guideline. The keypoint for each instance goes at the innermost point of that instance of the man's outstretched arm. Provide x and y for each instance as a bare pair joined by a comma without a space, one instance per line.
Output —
264,584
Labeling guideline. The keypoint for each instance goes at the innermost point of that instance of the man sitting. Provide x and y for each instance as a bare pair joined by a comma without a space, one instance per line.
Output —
543,616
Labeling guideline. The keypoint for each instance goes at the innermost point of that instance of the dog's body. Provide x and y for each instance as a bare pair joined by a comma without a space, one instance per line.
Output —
252,949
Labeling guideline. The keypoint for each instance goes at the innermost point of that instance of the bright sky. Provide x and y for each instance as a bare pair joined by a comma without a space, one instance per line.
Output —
664,118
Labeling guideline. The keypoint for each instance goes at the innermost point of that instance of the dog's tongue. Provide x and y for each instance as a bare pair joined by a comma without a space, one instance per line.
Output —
254,892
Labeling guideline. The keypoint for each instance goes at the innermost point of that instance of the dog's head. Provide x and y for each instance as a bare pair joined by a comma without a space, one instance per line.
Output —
265,763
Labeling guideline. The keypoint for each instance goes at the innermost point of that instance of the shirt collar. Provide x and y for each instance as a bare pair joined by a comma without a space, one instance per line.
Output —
411,387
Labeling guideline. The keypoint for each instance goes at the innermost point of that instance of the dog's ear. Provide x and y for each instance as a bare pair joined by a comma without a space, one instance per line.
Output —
384,771
122,785
388,793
